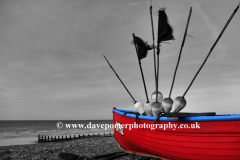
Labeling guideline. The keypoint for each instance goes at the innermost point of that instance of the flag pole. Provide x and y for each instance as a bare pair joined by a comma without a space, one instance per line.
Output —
137,105
139,61
153,44
156,106
224,28
168,102
158,53
180,102
180,53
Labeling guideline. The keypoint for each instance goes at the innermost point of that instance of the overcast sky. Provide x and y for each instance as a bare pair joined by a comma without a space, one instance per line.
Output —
52,65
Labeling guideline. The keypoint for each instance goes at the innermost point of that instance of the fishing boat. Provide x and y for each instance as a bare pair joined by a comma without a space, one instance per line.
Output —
179,135
153,130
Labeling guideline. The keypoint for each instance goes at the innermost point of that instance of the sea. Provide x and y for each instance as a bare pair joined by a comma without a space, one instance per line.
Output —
19,132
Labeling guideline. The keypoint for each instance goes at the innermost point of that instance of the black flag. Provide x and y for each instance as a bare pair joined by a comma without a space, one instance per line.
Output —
168,36
165,31
142,47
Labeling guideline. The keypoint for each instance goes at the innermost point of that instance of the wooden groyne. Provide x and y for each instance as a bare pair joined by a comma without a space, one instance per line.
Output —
45,138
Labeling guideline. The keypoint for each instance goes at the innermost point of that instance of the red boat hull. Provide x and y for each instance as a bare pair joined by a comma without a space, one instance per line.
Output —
200,140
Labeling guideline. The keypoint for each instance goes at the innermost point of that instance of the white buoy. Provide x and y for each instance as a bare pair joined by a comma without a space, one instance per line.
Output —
160,97
148,109
179,103
139,107
156,108
167,105
156,105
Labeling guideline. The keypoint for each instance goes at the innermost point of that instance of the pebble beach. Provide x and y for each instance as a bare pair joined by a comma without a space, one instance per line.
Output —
88,148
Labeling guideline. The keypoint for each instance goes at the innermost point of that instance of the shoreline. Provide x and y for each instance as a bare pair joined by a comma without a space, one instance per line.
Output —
88,147
33,138
83,147
18,141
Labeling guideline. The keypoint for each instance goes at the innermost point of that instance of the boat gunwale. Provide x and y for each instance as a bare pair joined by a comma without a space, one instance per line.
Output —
181,119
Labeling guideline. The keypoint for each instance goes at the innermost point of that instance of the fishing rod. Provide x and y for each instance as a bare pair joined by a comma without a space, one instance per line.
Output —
180,101
168,102
137,105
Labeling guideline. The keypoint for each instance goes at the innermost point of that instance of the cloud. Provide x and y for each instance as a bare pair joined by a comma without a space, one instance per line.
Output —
133,4
213,31
190,63
82,90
